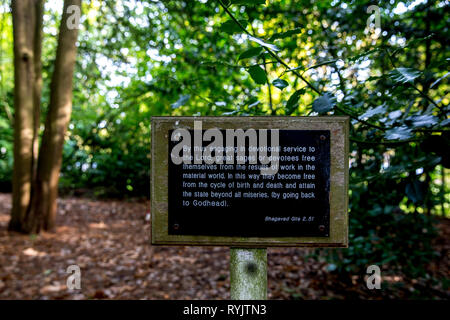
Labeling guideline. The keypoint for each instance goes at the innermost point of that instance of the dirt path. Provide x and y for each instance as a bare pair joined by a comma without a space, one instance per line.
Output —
109,241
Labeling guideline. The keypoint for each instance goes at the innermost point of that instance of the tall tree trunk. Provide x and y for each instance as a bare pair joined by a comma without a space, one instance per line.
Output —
36,173
37,89
43,211
24,75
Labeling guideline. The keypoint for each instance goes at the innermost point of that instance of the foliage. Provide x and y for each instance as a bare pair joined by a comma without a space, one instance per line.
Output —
6,102
382,234
299,58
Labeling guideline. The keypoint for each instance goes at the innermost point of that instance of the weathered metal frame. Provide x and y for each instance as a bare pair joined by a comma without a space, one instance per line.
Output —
339,149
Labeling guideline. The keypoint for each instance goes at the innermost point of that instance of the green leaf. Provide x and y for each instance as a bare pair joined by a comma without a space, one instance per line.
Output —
280,83
220,103
232,27
372,112
398,133
415,191
264,44
250,53
282,35
359,56
181,101
292,102
254,104
404,75
320,64
425,120
4,124
412,43
294,69
324,103
230,113
258,74
445,122
248,2
395,114
440,79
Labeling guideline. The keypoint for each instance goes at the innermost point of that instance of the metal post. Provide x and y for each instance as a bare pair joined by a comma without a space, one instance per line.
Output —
248,274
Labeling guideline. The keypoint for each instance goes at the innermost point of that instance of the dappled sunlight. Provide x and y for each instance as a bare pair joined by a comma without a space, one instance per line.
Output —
4,219
33,253
110,242
393,279
100,225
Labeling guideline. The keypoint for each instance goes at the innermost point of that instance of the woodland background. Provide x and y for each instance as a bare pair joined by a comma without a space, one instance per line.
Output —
386,66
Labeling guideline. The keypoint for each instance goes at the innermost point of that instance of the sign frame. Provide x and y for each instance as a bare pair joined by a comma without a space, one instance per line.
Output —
339,150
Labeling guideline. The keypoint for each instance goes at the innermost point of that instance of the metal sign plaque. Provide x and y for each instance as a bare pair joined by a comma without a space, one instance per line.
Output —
236,200
258,181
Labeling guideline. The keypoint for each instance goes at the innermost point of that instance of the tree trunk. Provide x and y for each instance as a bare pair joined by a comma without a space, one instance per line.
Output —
37,89
24,75
35,178
43,211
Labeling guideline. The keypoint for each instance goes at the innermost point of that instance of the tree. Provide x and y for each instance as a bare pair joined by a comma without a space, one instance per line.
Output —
192,58
35,175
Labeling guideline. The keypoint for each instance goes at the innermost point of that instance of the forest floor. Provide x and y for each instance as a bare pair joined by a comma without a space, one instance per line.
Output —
109,241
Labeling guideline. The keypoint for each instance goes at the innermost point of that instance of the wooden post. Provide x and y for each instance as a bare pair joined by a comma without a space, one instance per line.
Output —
248,274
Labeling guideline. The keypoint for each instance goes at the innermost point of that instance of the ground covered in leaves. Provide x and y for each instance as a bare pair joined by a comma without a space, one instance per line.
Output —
109,241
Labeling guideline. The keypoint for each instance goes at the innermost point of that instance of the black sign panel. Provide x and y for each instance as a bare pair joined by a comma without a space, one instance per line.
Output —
237,200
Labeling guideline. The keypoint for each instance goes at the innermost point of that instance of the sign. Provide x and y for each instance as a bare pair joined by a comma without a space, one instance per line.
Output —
253,181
